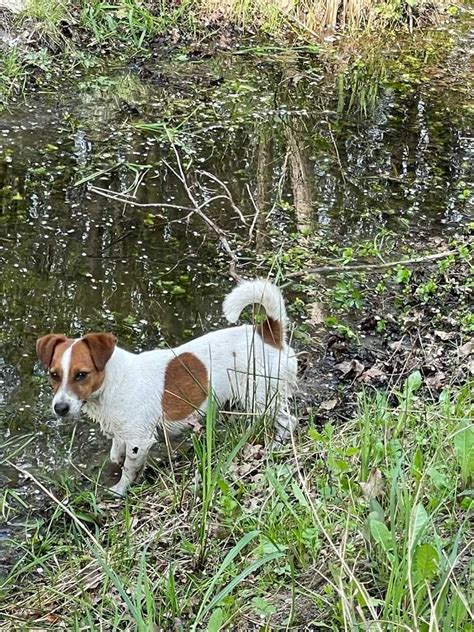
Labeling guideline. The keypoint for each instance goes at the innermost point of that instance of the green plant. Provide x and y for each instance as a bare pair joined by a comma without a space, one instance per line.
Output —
347,294
426,290
128,20
403,275
376,507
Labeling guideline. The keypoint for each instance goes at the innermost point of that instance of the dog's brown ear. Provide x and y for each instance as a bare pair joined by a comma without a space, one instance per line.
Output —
101,347
45,347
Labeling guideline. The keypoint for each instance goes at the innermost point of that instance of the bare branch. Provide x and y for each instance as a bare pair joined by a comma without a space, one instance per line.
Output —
257,213
126,199
198,210
229,195
363,267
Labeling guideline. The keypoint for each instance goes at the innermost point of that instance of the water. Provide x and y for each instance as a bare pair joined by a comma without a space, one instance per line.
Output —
284,136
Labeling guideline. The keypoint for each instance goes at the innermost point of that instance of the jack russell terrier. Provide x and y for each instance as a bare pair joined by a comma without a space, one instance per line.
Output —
132,396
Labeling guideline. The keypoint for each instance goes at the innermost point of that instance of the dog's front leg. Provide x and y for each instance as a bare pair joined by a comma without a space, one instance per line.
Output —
135,457
285,424
117,451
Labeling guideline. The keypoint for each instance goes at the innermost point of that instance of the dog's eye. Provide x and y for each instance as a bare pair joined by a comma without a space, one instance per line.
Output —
54,376
81,376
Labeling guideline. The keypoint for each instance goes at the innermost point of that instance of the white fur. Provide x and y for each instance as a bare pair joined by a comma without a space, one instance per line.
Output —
259,291
63,394
241,369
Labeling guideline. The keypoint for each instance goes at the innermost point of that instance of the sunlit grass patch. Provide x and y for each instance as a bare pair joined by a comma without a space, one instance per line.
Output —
308,19
47,11
134,24
357,525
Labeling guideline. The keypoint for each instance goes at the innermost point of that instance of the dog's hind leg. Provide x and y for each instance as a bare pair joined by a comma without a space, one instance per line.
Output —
117,451
136,453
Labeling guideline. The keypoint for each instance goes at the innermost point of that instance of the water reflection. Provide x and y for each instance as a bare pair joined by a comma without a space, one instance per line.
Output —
73,261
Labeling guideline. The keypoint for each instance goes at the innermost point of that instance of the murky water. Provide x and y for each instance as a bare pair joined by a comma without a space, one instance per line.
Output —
287,137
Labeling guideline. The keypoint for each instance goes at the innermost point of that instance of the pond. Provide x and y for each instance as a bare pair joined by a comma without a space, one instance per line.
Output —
293,145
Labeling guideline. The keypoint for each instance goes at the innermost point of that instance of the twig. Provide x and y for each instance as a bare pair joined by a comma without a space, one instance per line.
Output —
279,186
198,210
121,197
59,503
373,266
229,195
257,213
196,207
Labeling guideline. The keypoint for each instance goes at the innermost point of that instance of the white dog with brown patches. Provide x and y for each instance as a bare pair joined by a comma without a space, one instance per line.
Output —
134,395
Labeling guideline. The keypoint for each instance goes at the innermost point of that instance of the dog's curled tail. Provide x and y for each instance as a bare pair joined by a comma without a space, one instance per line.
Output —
264,293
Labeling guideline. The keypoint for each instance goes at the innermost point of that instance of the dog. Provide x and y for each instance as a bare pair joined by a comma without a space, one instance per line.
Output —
133,396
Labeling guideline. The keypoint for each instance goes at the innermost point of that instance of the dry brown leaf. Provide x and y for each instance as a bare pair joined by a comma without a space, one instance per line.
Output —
52,618
445,335
329,404
398,345
252,455
373,487
373,373
252,452
240,471
350,365
467,348
317,315
436,381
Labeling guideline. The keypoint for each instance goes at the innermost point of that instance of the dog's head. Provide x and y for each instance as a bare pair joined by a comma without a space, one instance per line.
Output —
76,368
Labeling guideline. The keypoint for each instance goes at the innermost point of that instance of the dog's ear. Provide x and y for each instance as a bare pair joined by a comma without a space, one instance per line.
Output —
101,347
45,347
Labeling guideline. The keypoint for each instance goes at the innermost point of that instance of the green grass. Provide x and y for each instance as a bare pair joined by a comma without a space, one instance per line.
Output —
232,538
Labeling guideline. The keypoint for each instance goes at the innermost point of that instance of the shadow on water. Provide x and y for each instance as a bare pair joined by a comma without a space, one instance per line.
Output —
286,130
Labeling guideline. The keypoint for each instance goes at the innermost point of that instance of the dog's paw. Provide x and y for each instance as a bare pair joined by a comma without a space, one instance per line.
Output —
119,490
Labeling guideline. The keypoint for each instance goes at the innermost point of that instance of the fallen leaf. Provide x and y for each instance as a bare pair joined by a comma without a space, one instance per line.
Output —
240,471
350,365
303,360
252,455
397,345
436,381
373,487
470,366
445,335
316,316
467,348
373,373
253,451
52,618
414,318
329,404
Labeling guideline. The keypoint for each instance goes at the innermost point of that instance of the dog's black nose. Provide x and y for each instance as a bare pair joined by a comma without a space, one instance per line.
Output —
61,409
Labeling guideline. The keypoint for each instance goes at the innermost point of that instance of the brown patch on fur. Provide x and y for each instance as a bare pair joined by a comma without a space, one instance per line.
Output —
271,332
89,356
101,348
186,384
55,363
45,347
82,361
